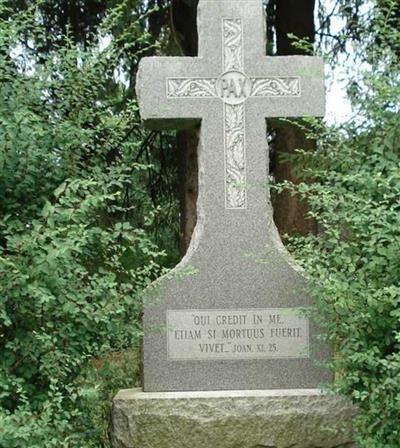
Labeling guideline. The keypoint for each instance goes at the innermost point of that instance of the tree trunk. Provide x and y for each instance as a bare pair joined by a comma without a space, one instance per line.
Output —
187,142
185,30
289,211
295,17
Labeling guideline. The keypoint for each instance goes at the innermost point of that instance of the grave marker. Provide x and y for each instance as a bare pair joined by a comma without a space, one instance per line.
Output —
237,322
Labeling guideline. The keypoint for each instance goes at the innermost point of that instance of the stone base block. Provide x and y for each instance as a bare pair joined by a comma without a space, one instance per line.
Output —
231,419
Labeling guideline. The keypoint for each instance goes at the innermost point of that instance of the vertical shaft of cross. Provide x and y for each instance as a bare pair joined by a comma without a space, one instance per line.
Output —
234,118
249,229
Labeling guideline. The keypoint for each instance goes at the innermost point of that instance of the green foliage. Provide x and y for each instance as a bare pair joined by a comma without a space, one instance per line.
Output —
353,263
77,232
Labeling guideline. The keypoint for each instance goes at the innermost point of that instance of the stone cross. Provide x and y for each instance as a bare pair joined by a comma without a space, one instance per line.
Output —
235,323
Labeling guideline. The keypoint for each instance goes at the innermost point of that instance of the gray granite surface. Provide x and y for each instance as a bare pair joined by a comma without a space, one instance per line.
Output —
197,335
234,419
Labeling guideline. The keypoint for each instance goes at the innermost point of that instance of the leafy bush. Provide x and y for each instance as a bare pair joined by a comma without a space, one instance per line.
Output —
354,263
76,224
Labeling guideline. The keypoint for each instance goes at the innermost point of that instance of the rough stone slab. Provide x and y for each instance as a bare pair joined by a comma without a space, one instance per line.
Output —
231,419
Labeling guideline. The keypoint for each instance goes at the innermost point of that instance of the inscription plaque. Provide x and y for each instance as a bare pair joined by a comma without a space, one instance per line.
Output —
276,333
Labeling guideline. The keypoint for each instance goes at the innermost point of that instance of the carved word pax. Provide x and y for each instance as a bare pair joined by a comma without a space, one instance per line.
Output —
234,87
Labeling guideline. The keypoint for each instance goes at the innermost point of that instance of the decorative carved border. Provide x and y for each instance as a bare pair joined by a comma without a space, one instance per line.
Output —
234,120
191,87
272,86
232,45
207,87
235,156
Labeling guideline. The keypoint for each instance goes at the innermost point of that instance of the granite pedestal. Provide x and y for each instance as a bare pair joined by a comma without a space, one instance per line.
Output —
303,418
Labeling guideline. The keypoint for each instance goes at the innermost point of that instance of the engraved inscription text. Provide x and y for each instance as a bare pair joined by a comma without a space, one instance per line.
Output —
275,333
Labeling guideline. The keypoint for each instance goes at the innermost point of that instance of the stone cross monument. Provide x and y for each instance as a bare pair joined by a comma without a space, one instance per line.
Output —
229,356
236,321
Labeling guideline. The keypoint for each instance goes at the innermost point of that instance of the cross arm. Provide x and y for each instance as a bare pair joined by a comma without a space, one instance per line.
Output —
170,91
294,86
